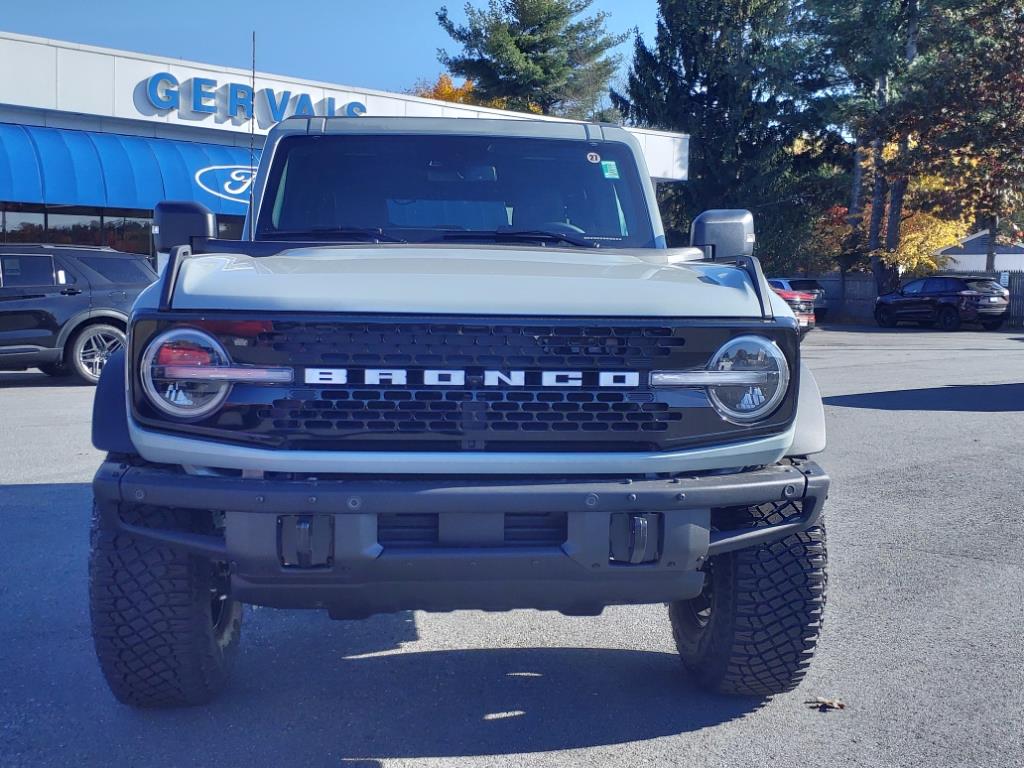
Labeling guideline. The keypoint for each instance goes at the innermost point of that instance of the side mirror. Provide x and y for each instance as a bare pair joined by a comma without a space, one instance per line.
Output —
176,222
724,233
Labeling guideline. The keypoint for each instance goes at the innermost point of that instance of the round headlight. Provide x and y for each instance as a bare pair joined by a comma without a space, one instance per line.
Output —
749,402
176,396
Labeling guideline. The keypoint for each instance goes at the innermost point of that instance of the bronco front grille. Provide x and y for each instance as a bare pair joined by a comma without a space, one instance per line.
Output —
471,416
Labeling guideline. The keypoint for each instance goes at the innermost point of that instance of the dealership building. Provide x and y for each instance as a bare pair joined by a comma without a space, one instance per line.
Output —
92,138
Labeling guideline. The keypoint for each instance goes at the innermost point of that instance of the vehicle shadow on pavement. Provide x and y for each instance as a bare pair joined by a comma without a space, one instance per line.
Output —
461,702
976,398
14,379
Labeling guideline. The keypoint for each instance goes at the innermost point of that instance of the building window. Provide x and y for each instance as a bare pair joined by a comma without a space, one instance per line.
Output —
128,233
74,228
22,223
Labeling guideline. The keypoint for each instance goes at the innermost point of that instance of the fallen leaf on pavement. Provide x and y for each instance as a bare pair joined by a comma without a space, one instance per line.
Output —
824,705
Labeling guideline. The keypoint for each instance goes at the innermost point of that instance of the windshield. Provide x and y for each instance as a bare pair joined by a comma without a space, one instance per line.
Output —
426,188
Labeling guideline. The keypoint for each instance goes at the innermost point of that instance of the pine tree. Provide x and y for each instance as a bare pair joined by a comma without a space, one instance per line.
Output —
868,44
743,79
534,54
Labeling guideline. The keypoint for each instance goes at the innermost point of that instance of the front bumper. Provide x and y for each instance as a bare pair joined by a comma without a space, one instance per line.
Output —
322,544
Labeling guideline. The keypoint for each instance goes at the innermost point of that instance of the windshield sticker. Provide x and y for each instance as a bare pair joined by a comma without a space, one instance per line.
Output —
610,169
593,157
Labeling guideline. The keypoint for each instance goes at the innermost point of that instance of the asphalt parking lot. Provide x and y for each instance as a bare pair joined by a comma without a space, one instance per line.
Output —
924,631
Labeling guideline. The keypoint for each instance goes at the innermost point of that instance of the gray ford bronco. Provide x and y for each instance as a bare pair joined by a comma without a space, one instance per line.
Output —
453,365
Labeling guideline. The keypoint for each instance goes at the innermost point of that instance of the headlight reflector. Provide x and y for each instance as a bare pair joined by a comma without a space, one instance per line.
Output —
177,397
745,403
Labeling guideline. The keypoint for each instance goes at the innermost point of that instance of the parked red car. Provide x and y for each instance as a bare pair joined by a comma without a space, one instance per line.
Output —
802,305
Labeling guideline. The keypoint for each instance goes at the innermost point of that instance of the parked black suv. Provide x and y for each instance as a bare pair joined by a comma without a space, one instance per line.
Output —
63,309
946,302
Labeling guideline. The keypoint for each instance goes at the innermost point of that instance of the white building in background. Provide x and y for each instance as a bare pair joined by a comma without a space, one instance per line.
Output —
92,138
971,253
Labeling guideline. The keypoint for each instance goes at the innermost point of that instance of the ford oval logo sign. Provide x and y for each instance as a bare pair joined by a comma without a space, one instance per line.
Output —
230,182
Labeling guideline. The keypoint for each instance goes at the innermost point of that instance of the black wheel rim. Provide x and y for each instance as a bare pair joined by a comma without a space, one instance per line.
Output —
701,607
220,601
96,348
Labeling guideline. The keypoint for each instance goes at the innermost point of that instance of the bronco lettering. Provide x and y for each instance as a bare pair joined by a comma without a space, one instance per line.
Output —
459,378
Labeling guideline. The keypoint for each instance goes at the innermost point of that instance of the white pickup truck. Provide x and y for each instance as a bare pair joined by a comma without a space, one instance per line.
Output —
453,365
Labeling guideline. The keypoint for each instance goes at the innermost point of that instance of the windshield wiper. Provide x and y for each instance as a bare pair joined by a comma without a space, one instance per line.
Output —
518,236
368,234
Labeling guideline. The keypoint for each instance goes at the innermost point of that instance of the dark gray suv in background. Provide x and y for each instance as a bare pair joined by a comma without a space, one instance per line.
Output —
64,309
946,302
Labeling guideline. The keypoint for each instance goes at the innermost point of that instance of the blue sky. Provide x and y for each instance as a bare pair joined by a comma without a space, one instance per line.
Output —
382,44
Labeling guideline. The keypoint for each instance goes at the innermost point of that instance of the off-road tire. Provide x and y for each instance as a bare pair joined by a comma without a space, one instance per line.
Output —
949,319
766,607
159,639
885,317
992,325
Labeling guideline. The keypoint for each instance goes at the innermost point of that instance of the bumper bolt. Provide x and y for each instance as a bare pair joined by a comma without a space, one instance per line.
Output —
311,499
632,497
259,499
591,500
680,497
354,503
789,491
140,494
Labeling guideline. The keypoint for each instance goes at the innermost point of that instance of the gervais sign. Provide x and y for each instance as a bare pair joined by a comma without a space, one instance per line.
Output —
203,95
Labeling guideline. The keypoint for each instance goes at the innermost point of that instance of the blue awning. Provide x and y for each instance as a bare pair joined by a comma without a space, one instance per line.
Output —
58,166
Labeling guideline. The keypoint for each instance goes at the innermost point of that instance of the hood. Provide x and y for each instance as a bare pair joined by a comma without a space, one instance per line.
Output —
464,280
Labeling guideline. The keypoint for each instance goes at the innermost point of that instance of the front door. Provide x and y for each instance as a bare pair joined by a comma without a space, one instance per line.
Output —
909,305
36,299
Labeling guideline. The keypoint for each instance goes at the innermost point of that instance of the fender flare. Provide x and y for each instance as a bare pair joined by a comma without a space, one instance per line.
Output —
77,321
110,409
809,425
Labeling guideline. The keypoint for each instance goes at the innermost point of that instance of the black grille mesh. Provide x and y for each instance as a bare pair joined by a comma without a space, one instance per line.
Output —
464,345
431,410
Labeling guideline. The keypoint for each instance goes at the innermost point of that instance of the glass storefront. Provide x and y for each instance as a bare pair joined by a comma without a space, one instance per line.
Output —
73,228
125,232
121,229
22,224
